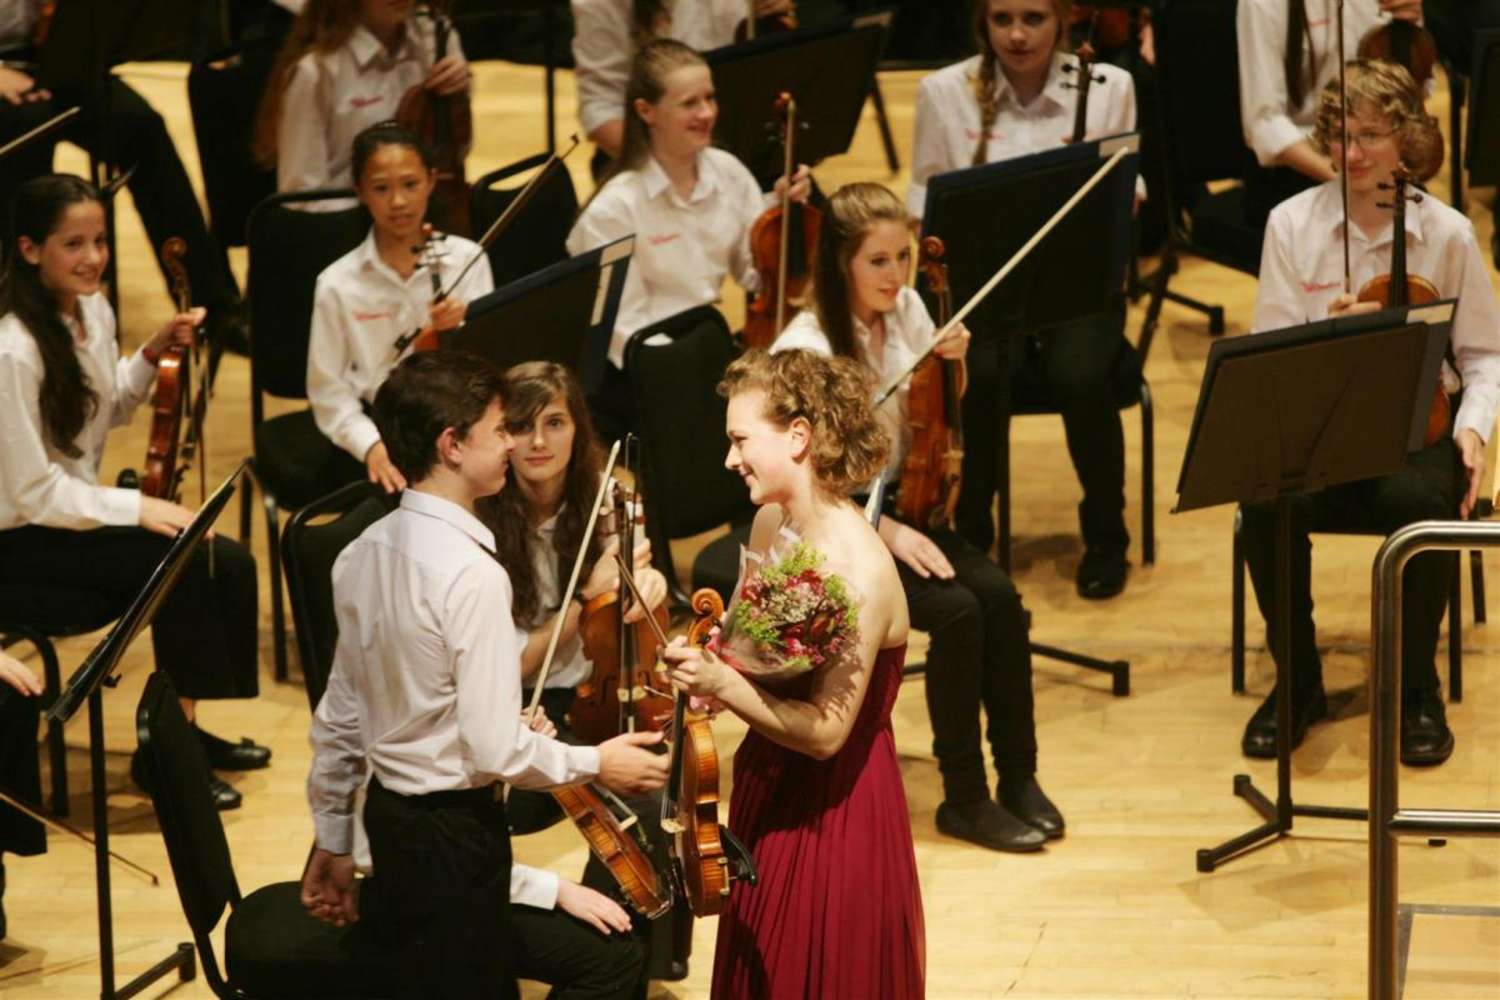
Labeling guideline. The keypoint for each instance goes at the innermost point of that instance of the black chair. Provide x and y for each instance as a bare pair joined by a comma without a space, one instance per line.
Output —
309,547
1455,611
272,947
223,95
535,238
293,463
11,633
687,490
1199,108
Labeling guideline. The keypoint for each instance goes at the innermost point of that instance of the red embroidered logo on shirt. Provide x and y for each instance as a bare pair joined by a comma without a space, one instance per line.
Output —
365,316
1318,286
657,241
363,102
973,135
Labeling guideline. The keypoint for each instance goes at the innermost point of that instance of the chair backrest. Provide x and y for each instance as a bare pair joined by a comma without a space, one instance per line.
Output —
535,238
1197,62
680,416
1484,110
310,545
289,248
190,825
224,95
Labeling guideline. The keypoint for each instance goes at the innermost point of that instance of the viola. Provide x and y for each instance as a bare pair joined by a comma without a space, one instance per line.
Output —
782,242
772,24
1405,44
614,843
1398,288
445,124
177,418
933,473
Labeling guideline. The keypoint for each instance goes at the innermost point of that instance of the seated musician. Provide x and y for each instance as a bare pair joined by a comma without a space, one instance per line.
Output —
344,67
863,309
425,697
72,542
1288,50
1018,97
689,205
539,520
20,709
378,293
607,33
1301,277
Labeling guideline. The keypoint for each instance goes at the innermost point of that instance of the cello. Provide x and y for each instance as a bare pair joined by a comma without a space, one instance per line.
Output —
933,474
445,124
782,242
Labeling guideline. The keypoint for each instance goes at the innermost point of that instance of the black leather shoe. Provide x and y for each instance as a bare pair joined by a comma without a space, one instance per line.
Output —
984,823
224,795
1101,573
1260,732
1425,736
1026,801
246,755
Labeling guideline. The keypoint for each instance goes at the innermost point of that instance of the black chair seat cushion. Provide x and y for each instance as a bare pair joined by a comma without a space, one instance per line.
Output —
40,608
297,464
1221,233
275,948
718,565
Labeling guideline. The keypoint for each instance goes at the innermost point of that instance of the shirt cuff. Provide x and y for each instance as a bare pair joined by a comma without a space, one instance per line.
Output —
363,436
122,508
583,762
1469,418
1274,136
335,834
534,887
140,372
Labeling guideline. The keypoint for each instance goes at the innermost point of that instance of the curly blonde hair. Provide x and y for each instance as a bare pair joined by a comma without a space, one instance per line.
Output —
1383,88
987,81
849,445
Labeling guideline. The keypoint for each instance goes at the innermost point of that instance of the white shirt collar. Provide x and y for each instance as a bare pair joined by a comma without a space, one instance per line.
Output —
367,49
370,260
1330,210
1055,90
431,505
655,180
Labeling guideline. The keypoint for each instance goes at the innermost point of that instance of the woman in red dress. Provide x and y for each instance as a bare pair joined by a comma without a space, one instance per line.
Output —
817,793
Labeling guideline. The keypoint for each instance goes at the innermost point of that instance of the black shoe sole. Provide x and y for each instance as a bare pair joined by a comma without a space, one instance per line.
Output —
965,831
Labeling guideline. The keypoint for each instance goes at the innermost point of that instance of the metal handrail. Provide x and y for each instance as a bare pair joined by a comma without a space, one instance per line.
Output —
1387,820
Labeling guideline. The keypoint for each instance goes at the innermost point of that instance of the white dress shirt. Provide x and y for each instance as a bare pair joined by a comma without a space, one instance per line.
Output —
1302,271
948,117
17,24
908,332
1270,122
604,46
425,689
360,307
38,483
569,666
331,97
683,246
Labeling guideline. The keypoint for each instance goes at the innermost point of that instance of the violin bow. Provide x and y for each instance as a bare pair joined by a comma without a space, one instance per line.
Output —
16,802
1005,270
55,122
1344,149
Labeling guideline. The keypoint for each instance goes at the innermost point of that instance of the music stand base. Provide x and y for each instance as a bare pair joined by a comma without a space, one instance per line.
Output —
1118,670
184,959
1272,829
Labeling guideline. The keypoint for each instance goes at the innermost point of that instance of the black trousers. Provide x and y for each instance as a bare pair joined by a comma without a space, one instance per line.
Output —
979,655
19,775
1429,485
205,633
1267,187
133,134
1079,369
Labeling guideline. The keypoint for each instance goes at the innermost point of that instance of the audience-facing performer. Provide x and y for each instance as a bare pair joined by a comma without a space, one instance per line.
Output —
82,549
1301,278
1018,97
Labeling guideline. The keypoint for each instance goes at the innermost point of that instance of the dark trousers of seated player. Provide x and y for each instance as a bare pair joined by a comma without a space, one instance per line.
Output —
19,774
978,656
1429,485
668,938
1080,368
205,632
136,137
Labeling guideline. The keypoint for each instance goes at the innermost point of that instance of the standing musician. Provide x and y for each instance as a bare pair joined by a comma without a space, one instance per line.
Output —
74,543
864,309
425,695
539,520
1301,276
20,710
689,205
1018,97
378,293
344,67
818,798
1288,51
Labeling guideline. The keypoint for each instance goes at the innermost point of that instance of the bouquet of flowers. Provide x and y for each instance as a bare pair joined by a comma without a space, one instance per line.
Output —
788,616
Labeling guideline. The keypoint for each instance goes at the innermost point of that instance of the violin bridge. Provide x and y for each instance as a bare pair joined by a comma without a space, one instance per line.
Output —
629,821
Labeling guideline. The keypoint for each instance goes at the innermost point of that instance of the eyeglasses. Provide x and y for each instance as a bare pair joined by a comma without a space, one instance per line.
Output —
1365,140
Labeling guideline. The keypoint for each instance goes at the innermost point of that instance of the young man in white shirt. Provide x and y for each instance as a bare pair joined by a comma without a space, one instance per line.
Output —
1301,280
425,693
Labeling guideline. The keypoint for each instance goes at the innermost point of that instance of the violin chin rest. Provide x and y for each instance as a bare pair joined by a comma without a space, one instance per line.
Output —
739,857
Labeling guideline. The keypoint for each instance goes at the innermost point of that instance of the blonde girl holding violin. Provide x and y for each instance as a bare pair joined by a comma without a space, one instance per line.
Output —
344,67
864,309
689,205
1015,98
376,295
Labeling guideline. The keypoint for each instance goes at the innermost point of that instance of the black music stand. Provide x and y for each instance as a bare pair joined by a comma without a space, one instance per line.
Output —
1293,411
985,214
563,313
829,70
98,671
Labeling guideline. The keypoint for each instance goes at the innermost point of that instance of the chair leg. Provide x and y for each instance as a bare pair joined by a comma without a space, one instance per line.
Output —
1148,477
1456,634
1153,308
883,120
1476,584
1237,613
278,610
247,495
57,751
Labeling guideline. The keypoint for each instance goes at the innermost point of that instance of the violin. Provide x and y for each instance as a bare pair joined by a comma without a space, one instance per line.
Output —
1084,81
933,474
614,842
1110,26
752,26
1398,288
622,694
1405,44
782,242
176,416
445,124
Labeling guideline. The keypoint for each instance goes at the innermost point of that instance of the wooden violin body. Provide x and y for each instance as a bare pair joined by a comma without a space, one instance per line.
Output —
606,705
1404,44
933,473
445,124
176,418
616,847
783,243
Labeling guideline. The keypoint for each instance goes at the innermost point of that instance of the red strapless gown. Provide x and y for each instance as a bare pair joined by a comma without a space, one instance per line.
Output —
838,911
